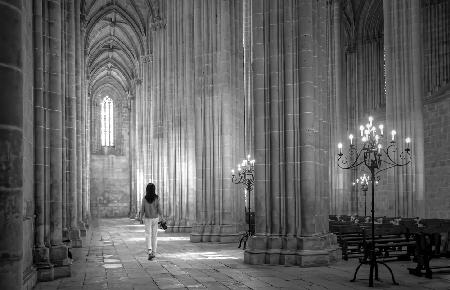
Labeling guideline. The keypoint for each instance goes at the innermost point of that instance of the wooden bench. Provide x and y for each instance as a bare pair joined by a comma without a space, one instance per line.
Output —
430,245
391,241
350,238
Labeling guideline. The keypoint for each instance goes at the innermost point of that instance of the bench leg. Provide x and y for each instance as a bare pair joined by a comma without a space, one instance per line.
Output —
376,272
372,266
356,272
390,270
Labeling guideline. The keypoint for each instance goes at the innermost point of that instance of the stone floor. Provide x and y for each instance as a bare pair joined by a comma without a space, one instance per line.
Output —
113,257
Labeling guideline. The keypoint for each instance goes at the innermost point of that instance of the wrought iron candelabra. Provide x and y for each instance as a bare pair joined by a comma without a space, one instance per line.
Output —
246,177
378,155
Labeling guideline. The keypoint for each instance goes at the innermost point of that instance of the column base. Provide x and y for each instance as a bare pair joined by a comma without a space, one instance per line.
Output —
60,260
65,234
319,250
179,229
41,258
62,271
83,229
75,238
216,233
180,226
45,272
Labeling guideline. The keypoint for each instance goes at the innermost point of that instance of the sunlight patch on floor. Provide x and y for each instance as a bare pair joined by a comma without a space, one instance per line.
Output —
201,256
135,239
165,239
112,266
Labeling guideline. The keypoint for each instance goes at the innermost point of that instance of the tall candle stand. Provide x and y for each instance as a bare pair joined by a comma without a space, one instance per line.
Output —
378,155
246,177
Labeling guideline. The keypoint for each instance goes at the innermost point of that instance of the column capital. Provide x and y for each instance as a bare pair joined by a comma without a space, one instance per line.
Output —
157,23
147,58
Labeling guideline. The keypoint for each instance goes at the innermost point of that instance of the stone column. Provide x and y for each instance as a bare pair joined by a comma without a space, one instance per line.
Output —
58,251
11,144
133,196
340,179
158,113
41,251
247,43
71,128
291,129
418,203
219,120
79,118
404,94
140,186
82,205
64,91
88,147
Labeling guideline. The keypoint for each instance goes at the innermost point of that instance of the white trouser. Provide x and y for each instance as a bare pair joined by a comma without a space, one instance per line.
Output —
151,231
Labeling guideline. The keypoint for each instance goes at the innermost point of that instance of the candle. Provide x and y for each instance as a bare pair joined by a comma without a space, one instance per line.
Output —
407,140
376,138
362,130
379,148
381,129
232,171
248,156
370,120
364,139
351,138
393,134
340,147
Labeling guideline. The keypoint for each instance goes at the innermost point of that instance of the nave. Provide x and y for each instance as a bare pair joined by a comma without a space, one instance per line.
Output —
99,98
113,257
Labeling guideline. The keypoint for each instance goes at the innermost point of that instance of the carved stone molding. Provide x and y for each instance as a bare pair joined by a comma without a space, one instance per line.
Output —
157,23
311,131
147,58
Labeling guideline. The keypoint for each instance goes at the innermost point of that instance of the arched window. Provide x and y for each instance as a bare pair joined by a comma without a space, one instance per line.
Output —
107,122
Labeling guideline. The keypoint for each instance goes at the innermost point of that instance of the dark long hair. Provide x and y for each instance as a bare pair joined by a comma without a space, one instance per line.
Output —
150,194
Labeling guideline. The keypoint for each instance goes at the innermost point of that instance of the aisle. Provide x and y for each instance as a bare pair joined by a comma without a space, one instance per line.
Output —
113,257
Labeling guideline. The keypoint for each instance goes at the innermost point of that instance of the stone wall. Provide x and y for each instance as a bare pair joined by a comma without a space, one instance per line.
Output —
437,157
110,166
110,195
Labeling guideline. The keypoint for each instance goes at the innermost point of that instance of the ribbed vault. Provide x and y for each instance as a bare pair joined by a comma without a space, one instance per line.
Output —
114,42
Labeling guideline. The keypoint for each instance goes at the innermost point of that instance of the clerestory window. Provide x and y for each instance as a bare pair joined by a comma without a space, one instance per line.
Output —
107,107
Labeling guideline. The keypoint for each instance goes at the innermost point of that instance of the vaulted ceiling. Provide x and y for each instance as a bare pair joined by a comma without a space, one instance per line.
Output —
363,20
115,40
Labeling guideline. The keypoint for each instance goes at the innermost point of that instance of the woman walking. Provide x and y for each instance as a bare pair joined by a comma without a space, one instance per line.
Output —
150,213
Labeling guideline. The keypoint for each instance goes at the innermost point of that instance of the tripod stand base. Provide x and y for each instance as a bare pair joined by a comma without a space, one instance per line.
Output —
244,240
373,268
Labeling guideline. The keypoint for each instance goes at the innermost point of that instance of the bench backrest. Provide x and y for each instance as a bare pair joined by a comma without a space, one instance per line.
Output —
387,230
